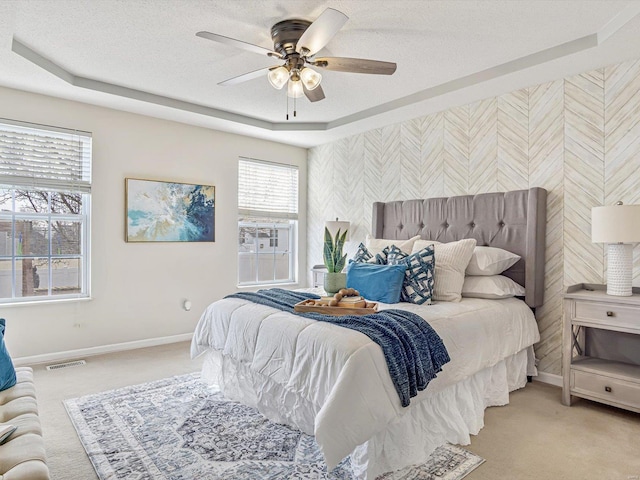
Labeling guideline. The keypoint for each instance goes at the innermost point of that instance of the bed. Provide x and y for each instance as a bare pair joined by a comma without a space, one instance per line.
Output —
334,383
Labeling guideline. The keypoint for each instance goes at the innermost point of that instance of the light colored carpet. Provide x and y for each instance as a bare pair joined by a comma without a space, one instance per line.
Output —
534,437
180,428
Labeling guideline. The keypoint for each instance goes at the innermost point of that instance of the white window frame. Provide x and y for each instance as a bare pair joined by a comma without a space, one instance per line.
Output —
54,160
291,227
258,212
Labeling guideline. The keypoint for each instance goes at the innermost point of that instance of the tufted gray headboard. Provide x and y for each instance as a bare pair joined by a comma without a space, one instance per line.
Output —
514,221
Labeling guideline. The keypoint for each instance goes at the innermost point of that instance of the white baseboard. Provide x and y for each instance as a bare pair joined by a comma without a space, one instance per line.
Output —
99,350
550,378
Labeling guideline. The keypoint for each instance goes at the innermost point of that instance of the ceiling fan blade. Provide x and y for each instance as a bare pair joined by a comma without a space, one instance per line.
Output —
250,47
355,65
321,31
245,77
314,95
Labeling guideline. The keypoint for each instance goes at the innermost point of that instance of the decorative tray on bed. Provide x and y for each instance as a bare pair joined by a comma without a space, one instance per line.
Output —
344,302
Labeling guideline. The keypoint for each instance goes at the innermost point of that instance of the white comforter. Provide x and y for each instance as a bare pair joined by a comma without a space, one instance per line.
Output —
341,375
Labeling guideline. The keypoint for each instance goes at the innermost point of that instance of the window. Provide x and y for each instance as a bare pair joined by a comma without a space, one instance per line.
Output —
45,191
267,222
273,241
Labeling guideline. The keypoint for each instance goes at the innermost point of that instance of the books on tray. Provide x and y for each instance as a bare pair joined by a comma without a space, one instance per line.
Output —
347,302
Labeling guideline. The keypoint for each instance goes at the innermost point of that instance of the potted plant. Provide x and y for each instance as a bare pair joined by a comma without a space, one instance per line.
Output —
334,279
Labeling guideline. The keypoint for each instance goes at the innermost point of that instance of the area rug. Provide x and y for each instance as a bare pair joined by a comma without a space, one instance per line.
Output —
180,429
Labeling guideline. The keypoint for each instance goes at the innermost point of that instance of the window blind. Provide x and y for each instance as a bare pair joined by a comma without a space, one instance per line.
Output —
44,157
268,190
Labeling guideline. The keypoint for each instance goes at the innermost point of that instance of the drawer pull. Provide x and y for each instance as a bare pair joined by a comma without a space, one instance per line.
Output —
608,389
610,314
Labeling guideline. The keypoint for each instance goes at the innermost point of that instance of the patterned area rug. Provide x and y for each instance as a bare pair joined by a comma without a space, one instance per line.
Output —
180,429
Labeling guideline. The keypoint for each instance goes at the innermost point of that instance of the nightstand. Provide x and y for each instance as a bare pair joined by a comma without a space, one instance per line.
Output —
601,347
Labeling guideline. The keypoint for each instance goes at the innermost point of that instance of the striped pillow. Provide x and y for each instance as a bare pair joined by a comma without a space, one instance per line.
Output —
451,262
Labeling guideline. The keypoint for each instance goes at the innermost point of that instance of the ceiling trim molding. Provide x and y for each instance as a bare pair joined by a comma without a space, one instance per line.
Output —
140,95
512,66
522,63
620,20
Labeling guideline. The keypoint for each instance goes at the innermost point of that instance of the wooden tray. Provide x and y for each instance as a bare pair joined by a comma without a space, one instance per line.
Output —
335,311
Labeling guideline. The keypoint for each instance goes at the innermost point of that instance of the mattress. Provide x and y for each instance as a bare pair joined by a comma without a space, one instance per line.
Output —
333,382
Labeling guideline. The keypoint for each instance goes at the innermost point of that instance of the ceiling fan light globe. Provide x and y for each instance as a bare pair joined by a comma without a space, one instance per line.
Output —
310,78
278,77
294,89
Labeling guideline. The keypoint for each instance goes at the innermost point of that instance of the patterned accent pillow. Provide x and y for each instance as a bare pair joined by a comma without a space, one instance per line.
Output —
418,278
363,255
381,258
395,255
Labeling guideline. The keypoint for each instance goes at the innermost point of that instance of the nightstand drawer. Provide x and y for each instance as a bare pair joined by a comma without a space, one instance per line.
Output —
615,315
606,388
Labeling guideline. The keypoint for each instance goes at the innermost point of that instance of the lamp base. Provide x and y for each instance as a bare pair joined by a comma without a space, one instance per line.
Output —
619,270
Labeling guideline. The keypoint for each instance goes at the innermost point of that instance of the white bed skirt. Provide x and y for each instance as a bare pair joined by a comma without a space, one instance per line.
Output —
450,415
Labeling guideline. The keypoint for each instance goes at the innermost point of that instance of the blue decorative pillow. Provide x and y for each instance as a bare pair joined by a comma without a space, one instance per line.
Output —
364,255
418,280
7,372
378,283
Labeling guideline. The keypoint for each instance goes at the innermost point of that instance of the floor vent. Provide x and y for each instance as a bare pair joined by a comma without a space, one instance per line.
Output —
58,366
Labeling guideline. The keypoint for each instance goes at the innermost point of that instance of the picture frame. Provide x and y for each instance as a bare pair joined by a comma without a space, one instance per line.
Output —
161,211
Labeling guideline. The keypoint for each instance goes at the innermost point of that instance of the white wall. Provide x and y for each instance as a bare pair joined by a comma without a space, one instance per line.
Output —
138,289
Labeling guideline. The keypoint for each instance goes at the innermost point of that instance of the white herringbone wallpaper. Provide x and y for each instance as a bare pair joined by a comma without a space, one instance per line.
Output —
578,137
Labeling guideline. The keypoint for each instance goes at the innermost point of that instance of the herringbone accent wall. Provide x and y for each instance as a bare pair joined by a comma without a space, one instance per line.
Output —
578,137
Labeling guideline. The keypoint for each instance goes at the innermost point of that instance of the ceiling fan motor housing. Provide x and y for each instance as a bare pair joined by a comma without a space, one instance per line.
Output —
286,34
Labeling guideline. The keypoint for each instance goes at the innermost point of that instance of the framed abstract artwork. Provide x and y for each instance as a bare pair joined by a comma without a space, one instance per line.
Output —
169,211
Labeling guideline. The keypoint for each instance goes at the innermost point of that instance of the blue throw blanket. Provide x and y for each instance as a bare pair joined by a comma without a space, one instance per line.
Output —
414,352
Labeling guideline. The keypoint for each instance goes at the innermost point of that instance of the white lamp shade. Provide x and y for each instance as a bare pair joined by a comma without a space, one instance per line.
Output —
278,77
333,227
615,224
619,226
294,89
310,78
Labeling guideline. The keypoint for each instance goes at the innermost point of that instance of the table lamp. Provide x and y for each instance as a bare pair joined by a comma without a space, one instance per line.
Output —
334,226
619,226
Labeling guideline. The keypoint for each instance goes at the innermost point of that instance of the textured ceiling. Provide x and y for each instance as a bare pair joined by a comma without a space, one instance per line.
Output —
150,46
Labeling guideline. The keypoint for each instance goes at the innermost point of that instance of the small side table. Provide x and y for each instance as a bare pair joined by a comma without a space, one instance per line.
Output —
317,273
601,347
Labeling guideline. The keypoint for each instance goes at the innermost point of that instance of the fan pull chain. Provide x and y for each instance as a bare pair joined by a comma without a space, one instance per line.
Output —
287,107
294,106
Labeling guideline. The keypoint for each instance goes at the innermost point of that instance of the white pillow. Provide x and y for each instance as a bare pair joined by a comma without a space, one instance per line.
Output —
490,261
451,262
493,287
377,245
420,244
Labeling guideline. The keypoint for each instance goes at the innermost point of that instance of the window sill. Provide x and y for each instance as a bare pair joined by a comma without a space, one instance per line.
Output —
269,285
49,301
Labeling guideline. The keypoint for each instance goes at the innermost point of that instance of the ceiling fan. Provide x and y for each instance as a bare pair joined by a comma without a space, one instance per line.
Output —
295,42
